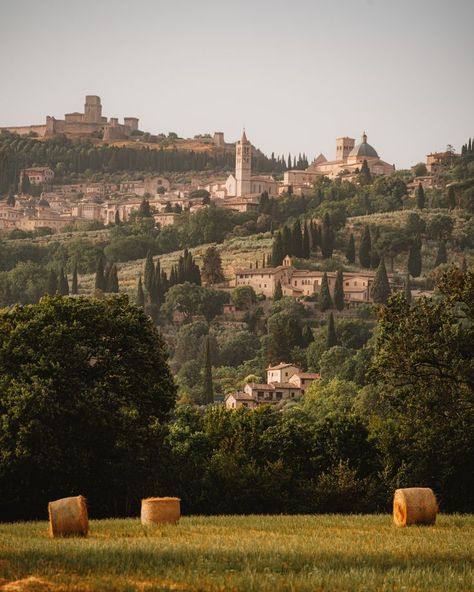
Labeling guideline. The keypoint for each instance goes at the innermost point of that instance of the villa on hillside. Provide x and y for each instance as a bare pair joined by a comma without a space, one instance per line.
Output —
285,382
305,282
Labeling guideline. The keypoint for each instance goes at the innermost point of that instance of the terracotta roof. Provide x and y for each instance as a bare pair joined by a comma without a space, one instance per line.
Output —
314,375
279,366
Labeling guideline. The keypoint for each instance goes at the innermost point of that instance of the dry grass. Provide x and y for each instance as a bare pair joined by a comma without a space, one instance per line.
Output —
244,553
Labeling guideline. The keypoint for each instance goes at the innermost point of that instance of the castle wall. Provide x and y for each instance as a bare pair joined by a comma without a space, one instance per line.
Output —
24,130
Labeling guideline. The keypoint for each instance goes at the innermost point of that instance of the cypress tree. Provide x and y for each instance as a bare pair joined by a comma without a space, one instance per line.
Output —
381,286
207,387
327,237
99,276
442,255
325,300
149,278
63,285
420,197
74,285
297,239
140,293
306,243
307,336
374,254
407,289
277,250
287,242
278,292
113,283
464,265
414,258
339,291
451,198
331,338
364,248
52,286
365,177
350,251
117,218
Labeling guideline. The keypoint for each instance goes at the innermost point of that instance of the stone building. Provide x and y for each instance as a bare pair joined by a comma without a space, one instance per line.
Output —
285,382
348,162
76,124
305,282
38,176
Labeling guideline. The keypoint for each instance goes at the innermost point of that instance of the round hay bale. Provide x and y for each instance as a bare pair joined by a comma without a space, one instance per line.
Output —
68,517
160,510
414,505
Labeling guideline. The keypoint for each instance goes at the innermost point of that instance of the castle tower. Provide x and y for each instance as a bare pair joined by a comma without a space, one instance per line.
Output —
92,109
344,147
243,166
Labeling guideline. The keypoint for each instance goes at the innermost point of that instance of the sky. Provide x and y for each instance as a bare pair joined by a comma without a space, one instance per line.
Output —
296,73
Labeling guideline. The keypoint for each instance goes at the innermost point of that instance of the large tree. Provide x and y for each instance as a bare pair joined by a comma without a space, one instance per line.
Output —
325,300
339,291
350,250
207,386
365,248
211,270
414,258
420,196
381,286
84,387
423,360
327,237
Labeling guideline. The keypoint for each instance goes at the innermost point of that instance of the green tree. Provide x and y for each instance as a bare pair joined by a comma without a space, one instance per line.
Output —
25,186
243,297
339,291
325,300
381,287
100,276
278,251
52,286
140,299
306,249
451,198
414,258
374,254
63,284
207,386
365,248
74,285
296,240
331,338
423,364
420,197
365,177
211,270
117,218
442,255
84,379
350,251
144,211
327,237
112,282
278,292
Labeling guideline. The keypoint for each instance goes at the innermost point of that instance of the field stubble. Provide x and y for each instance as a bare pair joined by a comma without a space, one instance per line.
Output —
243,553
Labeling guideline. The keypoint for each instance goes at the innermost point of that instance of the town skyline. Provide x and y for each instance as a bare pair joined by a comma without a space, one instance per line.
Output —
294,81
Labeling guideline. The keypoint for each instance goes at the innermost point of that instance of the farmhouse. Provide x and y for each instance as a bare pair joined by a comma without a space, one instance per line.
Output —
285,382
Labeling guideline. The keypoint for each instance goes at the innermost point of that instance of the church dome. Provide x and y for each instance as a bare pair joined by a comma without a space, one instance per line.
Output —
363,149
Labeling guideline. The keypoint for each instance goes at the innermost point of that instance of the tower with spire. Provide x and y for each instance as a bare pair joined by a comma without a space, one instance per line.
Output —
243,166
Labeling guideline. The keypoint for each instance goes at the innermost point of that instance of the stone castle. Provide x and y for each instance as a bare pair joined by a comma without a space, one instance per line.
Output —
78,125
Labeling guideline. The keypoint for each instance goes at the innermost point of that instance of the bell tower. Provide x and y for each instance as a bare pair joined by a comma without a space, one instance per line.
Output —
243,166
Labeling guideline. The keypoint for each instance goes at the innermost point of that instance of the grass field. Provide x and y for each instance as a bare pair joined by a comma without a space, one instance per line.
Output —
243,553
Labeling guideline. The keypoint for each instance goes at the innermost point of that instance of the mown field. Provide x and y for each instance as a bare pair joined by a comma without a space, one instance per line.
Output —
243,553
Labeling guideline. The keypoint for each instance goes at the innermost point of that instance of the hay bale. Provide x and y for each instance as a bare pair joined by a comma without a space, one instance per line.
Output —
68,517
414,505
160,510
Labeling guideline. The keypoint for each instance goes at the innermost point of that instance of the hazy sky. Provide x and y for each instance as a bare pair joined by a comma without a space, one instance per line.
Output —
296,73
